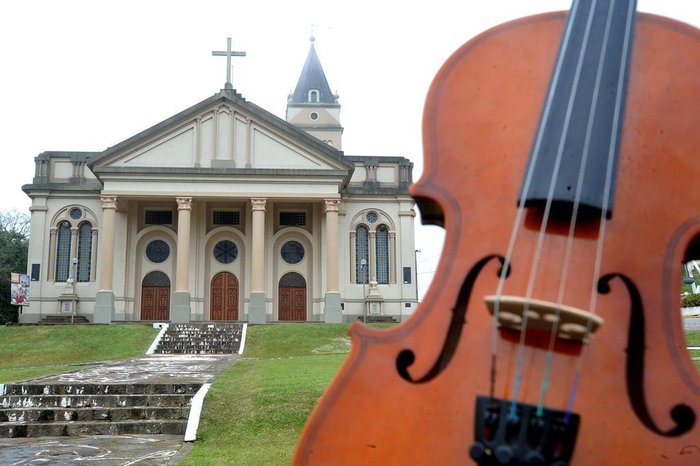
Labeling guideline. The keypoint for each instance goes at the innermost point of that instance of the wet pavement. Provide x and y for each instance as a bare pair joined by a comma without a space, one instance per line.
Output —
104,450
155,368
109,450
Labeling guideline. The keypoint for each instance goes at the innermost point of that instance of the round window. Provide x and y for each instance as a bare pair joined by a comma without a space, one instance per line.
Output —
313,116
76,213
157,251
225,251
372,216
292,252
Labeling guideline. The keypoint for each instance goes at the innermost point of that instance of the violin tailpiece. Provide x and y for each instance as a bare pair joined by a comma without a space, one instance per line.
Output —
508,433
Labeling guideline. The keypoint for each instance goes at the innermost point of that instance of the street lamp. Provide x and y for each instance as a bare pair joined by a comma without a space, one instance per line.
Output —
363,264
415,264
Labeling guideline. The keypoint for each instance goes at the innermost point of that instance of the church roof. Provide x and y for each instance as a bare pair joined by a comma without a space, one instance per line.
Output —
312,77
225,95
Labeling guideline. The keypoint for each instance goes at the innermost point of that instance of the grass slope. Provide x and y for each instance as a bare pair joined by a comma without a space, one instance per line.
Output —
34,351
255,412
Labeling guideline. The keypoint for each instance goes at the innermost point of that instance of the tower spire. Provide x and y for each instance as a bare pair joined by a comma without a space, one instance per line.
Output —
312,106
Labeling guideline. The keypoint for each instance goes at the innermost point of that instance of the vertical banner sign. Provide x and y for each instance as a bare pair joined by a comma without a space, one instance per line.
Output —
19,289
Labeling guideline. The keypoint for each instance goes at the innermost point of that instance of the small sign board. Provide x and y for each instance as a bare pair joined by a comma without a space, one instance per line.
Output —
19,289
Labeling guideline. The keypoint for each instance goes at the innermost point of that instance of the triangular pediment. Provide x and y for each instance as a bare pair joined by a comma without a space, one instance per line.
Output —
224,131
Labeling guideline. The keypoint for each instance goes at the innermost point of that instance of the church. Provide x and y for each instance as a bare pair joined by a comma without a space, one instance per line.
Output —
225,211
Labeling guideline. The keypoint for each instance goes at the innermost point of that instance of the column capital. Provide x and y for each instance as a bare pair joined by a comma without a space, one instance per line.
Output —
372,234
258,203
392,234
184,203
331,205
109,202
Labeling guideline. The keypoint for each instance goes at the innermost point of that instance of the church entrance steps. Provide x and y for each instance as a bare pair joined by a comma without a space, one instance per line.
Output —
201,338
35,410
147,395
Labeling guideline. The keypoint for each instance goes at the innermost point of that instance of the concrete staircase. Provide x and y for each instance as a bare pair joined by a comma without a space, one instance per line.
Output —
201,338
38,410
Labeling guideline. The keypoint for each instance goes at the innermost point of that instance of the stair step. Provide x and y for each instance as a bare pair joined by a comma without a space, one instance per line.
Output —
94,401
101,389
44,414
205,338
74,428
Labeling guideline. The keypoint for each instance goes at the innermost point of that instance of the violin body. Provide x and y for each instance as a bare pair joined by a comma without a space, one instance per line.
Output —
480,116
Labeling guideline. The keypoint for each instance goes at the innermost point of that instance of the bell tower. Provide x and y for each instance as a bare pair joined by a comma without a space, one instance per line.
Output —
312,106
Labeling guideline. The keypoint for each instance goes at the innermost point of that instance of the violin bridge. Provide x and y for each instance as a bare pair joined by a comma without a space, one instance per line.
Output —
570,323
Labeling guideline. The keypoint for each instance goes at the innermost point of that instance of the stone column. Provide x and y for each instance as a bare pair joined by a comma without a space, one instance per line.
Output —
372,256
93,256
332,308
104,299
52,254
180,310
257,311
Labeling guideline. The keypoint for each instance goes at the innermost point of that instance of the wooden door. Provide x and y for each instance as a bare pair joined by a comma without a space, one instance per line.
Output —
155,297
224,297
292,297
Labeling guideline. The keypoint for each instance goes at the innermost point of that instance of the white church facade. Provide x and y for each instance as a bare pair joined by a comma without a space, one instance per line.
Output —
225,212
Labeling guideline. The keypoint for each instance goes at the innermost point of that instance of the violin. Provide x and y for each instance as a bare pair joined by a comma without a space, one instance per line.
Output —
558,151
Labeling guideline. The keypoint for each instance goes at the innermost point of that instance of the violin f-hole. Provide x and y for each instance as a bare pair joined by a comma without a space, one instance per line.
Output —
683,415
407,357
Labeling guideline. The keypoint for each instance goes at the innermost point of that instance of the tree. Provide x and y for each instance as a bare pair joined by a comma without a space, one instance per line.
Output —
14,245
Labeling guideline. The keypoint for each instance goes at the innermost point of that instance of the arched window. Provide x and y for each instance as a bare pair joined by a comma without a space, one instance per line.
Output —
314,95
382,254
362,254
63,252
84,252
73,238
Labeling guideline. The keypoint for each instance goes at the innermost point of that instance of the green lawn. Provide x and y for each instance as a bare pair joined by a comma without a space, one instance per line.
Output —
38,350
254,413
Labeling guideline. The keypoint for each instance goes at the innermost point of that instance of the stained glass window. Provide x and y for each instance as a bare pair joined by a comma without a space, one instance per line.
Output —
76,213
157,251
225,251
84,251
63,252
382,254
362,254
292,252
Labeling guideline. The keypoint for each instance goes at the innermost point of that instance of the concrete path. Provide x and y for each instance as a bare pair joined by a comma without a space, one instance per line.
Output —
107,450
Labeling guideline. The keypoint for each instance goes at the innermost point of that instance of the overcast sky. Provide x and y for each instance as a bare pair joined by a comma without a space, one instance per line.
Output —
85,75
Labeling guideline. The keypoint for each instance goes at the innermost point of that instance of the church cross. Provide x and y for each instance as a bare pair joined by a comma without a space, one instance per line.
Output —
228,54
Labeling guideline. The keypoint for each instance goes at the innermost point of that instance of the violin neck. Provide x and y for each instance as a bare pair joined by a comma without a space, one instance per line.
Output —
573,159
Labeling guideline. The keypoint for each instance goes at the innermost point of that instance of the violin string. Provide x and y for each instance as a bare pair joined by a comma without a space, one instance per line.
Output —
532,277
521,206
544,385
606,199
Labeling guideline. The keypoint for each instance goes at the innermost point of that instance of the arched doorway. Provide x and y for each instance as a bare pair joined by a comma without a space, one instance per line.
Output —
155,297
292,297
224,297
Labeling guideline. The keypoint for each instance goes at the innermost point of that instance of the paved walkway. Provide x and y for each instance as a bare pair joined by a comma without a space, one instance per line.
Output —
108,450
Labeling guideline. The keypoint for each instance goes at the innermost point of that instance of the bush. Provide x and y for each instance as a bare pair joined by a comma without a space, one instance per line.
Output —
690,300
